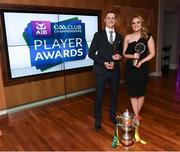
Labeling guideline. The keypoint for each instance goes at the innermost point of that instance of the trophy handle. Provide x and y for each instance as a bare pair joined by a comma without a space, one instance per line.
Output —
118,118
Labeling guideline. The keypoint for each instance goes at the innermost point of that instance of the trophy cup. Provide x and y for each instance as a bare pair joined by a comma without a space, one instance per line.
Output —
139,48
125,122
129,130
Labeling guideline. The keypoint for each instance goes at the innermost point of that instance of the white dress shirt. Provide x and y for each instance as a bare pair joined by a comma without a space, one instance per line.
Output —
108,33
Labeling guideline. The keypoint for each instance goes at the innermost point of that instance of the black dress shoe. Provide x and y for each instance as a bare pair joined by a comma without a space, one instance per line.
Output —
98,124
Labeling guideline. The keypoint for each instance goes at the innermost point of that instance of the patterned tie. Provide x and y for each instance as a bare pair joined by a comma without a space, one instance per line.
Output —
111,37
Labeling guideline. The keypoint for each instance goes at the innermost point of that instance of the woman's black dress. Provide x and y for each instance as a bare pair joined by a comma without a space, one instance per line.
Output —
136,78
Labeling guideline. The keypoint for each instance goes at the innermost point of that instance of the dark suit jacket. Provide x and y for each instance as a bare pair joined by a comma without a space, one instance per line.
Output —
101,51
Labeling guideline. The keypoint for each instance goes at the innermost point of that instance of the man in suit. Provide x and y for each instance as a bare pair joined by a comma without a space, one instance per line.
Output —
106,51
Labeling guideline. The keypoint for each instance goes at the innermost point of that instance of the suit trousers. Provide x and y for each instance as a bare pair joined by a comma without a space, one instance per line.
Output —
112,77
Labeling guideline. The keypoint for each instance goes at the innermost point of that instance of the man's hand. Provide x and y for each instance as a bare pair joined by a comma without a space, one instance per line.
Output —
109,66
116,57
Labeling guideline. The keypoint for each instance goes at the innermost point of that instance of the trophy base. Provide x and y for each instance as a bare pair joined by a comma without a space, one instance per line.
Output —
126,143
135,62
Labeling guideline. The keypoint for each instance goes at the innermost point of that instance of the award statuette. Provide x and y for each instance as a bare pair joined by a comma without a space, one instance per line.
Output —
115,51
139,48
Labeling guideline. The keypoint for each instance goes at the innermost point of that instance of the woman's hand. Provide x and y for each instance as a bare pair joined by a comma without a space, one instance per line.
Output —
138,65
136,56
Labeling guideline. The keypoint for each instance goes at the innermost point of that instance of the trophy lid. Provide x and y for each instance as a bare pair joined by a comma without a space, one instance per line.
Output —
126,114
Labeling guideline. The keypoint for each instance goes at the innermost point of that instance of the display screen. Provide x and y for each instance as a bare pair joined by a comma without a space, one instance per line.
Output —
42,43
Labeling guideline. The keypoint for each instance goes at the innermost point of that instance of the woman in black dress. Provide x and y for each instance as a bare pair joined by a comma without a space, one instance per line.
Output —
138,49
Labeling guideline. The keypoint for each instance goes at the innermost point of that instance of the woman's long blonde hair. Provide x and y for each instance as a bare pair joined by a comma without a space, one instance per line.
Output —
144,29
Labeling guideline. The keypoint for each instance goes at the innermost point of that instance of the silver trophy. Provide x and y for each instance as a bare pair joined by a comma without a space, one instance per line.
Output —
129,130
126,124
139,48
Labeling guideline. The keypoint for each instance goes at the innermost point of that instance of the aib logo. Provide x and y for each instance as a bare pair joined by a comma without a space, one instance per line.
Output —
41,28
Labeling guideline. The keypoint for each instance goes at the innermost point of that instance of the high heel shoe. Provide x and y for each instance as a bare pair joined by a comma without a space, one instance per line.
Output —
1,132
137,119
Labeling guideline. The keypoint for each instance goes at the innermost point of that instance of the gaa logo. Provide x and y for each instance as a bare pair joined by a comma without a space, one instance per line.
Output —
41,28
